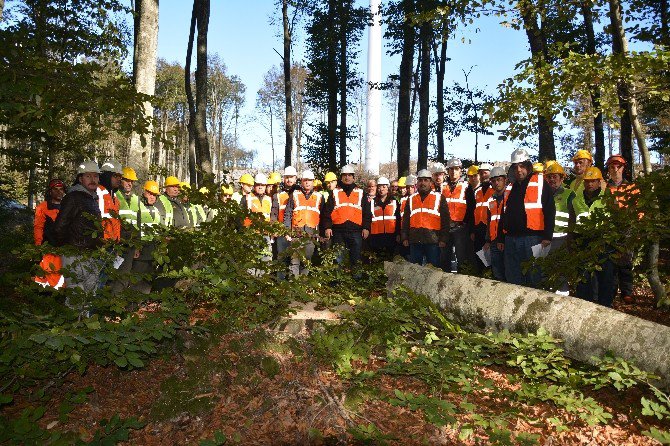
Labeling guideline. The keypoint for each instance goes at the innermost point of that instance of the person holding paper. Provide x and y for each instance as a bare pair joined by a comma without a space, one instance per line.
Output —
526,221
495,207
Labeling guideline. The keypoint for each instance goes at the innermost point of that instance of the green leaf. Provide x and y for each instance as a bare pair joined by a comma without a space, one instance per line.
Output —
121,361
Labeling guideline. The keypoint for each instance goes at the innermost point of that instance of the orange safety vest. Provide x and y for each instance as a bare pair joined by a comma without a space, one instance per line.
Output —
456,201
282,199
51,265
347,208
109,210
42,212
254,204
482,204
532,202
383,219
425,213
403,203
496,208
306,210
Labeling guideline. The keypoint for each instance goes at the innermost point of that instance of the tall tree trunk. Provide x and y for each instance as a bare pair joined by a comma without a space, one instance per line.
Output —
202,143
440,64
192,162
2,9
665,34
144,76
538,50
343,29
288,95
405,91
333,86
598,128
425,36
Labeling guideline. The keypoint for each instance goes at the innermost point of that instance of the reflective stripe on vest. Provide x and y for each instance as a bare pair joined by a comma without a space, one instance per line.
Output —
456,201
109,210
495,208
128,211
51,265
403,203
532,202
282,200
383,219
168,218
147,216
347,208
562,219
425,213
306,210
583,210
254,204
482,204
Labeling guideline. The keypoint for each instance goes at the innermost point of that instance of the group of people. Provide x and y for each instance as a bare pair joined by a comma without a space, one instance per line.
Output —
490,217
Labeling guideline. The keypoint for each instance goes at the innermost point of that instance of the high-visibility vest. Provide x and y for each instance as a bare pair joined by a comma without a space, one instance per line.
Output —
197,214
347,207
495,209
128,210
42,214
282,200
383,218
146,217
51,265
403,203
562,213
456,201
168,217
306,210
583,210
254,204
532,202
623,193
482,203
109,210
425,213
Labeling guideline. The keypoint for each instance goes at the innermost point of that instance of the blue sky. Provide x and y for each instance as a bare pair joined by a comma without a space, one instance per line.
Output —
241,33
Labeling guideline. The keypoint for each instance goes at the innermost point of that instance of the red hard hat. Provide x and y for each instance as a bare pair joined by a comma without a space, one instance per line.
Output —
56,183
615,159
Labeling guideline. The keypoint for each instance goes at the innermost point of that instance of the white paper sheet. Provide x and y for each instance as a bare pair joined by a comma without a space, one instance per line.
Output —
117,262
485,256
539,251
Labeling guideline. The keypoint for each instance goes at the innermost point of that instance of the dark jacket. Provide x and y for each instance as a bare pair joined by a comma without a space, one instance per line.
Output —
180,213
513,219
79,220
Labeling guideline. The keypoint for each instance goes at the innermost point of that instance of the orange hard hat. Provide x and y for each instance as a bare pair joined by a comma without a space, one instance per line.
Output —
615,159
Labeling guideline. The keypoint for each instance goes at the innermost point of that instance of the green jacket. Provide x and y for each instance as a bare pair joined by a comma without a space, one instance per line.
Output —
583,209
563,198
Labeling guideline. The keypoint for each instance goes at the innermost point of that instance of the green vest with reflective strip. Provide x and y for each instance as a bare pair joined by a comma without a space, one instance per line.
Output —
196,214
562,212
147,216
582,210
128,211
168,218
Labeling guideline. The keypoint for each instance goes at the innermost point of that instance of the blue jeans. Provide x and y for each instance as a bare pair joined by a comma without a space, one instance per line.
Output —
353,242
518,252
431,251
497,262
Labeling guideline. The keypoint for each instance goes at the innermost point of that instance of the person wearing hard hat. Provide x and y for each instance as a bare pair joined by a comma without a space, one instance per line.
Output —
318,185
246,186
274,179
302,216
345,219
565,212
581,161
129,202
279,201
538,167
527,220
45,216
227,192
110,181
407,185
77,225
473,177
330,180
385,221
483,194
461,201
494,240
439,174
395,188
401,192
425,222
175,214
597,286
258,202
625,194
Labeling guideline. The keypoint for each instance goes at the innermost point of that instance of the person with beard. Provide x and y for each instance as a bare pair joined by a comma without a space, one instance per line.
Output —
110,181
482,196
45,216
461,212
345,219
385,221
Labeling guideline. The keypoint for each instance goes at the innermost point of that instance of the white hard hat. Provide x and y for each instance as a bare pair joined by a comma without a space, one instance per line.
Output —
438,168
485,166
424,173
260,179
383,181
113,166
411,180
454,162
88,166
519,156
498,172
307,175
290,172
349,168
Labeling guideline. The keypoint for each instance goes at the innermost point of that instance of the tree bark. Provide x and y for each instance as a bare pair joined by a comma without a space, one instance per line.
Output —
144,76
598,128
204,156
288,148
344,22
425,36
440,64
331,137
405,92
193,174
2,9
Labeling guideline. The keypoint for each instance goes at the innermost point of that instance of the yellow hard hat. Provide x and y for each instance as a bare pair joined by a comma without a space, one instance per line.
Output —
538,167
184,185
227,190
129,174
554,167
582,154
330,176
247,179
171,181
472,170
203,190
401,181
274,178
151,186
317,183
593,173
